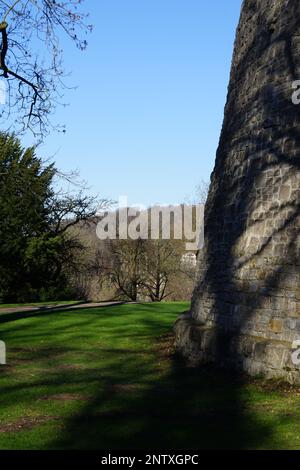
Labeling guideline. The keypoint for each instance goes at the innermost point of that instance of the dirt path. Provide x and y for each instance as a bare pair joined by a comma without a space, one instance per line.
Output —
44,308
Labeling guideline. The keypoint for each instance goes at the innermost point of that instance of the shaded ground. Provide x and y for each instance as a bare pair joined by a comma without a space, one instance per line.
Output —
10,313
107,378
47,306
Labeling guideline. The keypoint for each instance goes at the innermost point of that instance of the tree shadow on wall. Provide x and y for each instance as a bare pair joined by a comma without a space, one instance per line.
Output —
255,184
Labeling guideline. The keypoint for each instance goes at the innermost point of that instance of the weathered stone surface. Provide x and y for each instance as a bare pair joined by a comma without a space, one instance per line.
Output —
246,305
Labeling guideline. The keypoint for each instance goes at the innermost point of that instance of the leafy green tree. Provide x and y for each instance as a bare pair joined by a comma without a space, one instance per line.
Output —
36,251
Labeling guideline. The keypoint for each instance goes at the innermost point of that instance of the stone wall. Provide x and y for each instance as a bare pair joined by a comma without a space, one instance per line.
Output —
246,305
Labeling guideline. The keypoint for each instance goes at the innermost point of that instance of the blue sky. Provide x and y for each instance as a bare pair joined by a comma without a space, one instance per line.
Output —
146,116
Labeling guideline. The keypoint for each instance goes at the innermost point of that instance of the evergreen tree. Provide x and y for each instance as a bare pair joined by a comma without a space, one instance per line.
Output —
36,249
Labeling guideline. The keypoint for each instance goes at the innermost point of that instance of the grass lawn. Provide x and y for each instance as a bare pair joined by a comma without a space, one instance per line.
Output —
107,378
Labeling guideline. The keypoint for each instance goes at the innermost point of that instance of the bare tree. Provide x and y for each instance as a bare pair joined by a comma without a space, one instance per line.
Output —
126,270
35,80
199,195
162,260
68,209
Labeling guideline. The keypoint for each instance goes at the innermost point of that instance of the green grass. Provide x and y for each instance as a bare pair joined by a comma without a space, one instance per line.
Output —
106,378
39,304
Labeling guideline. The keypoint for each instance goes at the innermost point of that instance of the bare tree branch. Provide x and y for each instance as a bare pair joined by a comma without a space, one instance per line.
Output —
36,82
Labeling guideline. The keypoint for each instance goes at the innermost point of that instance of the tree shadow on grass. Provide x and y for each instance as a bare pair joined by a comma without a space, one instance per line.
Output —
133,392
186,408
